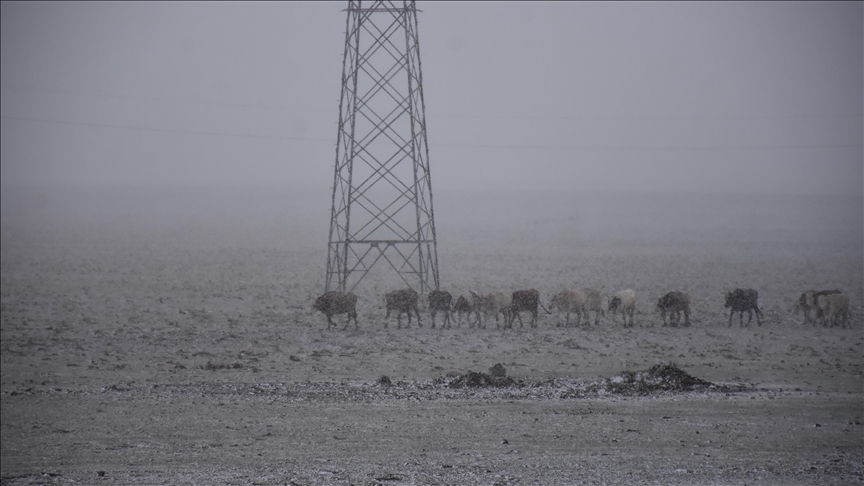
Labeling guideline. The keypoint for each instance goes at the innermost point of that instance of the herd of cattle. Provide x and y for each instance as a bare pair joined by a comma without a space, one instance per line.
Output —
830,306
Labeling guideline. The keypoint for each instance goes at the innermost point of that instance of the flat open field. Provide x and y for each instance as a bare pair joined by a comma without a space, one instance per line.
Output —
166,336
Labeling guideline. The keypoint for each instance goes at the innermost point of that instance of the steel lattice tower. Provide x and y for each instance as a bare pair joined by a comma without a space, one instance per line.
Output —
382,191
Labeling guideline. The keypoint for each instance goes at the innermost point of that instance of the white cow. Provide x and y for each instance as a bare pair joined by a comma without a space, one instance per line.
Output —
835,309
808,301
498,302
569,301
625,301
593,302
467,303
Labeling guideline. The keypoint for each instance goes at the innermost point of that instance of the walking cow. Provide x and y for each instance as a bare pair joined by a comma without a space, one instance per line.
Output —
402,301
593,302
835,309
675,303
467,303
625,301
569,301
439,301
809,301
498,302
333,303
741,300
524,301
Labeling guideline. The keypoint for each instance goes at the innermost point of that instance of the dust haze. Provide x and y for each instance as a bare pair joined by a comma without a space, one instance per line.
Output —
166,172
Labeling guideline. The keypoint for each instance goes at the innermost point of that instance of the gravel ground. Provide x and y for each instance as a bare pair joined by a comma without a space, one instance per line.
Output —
169,345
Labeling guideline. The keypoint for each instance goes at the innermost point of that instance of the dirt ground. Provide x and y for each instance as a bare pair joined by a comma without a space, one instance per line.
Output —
168,338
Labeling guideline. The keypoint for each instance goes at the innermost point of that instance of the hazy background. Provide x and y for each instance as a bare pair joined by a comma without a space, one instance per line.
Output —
655,96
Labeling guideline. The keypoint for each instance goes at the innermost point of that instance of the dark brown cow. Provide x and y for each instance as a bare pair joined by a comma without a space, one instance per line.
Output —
333,303
741,300
439,301
402,301
675,303
524,301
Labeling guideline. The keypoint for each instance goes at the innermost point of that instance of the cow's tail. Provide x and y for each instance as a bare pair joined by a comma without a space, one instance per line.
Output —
544,308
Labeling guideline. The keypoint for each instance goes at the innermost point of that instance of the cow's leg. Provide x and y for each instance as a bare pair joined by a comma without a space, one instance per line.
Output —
433,319
758,316
330,322
731,315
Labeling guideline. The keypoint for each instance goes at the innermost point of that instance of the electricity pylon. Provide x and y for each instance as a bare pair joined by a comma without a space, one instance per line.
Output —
382,190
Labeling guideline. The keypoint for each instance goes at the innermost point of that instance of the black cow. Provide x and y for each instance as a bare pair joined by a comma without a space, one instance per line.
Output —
402,301
524,301
439,301
333,303
675,303
741,300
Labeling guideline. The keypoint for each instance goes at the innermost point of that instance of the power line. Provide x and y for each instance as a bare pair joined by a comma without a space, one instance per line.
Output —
451,145
164,130
449,115
166,100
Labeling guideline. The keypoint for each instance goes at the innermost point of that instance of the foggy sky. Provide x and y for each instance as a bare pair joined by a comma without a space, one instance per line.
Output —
654,96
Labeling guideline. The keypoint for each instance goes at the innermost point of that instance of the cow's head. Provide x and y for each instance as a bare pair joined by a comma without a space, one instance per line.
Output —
321,303
614,303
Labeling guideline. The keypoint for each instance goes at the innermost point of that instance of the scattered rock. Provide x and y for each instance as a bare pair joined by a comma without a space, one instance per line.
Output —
384,381
498,371
473,379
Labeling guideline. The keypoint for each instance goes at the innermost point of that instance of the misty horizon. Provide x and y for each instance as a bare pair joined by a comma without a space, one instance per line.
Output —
622,98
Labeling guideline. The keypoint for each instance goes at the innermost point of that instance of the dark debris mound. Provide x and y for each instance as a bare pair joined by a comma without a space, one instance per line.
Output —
666,377
384,381
474,379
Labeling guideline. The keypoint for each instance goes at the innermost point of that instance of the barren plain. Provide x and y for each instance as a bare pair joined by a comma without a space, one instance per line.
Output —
165,336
